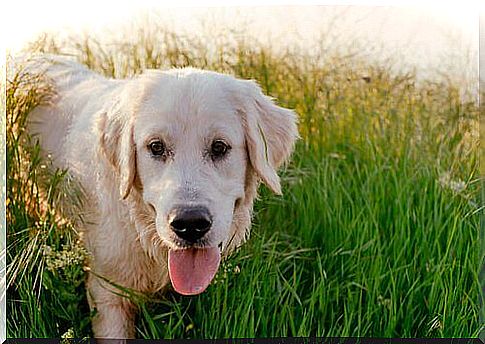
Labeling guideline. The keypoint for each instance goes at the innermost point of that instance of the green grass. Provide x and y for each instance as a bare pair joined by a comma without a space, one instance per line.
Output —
377,233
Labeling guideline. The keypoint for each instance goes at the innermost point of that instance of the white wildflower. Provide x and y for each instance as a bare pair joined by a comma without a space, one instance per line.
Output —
446,181
68,256
337,156
457,186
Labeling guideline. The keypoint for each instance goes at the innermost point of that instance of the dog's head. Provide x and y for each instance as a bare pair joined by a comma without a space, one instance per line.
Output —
189,148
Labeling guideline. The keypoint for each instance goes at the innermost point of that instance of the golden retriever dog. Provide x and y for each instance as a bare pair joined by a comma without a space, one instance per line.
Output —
170,162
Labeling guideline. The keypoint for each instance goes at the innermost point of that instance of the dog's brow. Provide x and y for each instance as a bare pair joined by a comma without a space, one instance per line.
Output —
224,130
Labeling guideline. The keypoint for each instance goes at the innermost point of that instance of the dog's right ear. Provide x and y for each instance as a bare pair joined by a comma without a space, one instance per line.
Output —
116,142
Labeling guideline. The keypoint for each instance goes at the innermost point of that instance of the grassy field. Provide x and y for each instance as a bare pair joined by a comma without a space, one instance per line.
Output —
377,233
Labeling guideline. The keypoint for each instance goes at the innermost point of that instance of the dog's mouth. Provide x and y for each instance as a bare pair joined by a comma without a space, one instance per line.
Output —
191,270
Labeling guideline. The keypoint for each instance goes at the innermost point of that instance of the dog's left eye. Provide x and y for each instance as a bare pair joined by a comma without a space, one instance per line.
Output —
218,149
157,147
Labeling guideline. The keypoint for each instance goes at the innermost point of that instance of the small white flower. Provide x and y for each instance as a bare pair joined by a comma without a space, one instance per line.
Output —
457,186
68,256
337,156
446,182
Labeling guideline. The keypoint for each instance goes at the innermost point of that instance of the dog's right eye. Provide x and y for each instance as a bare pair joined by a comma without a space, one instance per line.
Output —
157,147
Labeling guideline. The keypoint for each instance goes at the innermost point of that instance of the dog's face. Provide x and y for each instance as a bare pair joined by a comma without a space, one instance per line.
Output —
191,160
190,143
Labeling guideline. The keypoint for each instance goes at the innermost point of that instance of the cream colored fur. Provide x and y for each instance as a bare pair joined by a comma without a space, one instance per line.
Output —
99,129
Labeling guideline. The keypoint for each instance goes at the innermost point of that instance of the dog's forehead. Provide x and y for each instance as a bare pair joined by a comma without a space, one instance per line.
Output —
187,100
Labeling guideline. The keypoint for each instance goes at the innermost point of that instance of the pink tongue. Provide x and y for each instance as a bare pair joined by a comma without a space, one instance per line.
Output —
191,270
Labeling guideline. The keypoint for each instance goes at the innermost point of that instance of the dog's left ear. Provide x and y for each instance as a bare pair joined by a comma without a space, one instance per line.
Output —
270,132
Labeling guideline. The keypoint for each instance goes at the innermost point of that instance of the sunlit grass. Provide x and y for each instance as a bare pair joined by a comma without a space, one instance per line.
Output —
377,233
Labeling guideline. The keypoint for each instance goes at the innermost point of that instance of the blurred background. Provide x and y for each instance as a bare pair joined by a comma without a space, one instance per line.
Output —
421,35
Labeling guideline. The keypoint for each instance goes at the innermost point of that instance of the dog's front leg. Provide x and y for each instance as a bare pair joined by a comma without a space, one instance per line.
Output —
115,314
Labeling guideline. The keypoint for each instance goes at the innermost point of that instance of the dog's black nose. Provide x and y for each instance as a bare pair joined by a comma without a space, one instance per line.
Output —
190,223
